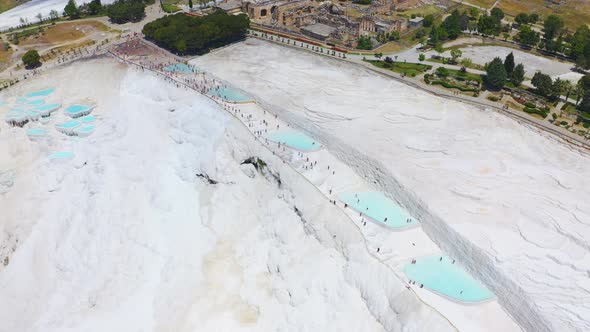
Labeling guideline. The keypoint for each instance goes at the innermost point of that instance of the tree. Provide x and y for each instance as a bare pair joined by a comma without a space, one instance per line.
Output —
190,4
543,83
437,34
528,36
509,64
123,11
94,7
428,20
584,83
581,62
497,13
533,18
559,88
31,59
552,26
580,47
438,48
421,57
456,54
579,90
489,25
364,43
522,18
189,35
39,17
53,14
496,74
454,24
567,86
517,75
506,35
71,10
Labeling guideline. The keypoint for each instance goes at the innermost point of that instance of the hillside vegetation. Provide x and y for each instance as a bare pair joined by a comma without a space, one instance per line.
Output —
189,35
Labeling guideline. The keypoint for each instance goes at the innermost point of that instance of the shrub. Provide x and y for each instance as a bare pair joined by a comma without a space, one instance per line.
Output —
442,72
563,123
449,85
31,59
421,57
586,125
535,111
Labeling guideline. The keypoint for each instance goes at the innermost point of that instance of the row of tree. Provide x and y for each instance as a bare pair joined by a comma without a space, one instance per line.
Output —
499,72
457,22
188,35
121,11
555,37
73,11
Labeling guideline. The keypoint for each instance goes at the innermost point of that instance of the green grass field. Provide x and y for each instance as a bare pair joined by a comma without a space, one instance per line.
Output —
407,68
170,8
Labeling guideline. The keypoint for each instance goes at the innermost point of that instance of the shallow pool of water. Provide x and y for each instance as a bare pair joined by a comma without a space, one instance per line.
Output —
87,119
33,115
68,125
40,93
62,155
293,139
378,207
76,111
47,108
85,129
228,94
15,114
37,132
439,274
181,68
36,102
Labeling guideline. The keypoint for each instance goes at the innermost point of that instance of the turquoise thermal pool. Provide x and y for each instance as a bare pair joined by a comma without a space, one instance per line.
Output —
228,94
294,139
181,68
36,102
40,93
87,119
16,115
84,130
33,115
379,208
69,125
62,155
76,111
440,275
47,108
37,132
